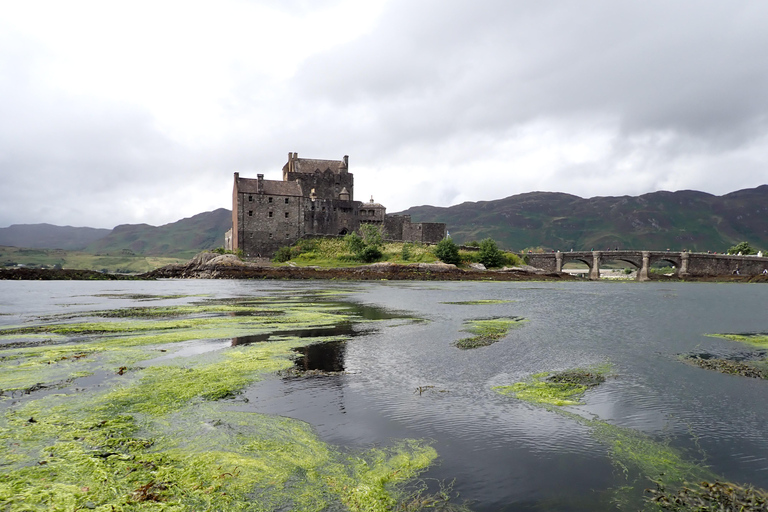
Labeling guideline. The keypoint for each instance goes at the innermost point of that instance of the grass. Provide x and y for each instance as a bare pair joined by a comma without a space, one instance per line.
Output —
164,437
487,332
333,252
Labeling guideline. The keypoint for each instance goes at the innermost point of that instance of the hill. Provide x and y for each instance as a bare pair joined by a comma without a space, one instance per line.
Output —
181,239
48,236
659,220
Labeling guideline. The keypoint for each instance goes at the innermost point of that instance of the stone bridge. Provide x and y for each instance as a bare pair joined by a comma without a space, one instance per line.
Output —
685,263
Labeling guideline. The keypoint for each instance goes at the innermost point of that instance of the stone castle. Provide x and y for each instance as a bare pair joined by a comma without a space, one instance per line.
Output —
315,197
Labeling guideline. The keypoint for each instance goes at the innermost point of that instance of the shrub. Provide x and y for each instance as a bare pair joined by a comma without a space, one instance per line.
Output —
447,251
354,242
372,235
370,254
743,248
490,255
220,250
366,248
406,252
306,245
282,255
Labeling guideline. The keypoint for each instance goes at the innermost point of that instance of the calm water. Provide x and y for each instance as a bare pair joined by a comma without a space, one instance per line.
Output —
504,454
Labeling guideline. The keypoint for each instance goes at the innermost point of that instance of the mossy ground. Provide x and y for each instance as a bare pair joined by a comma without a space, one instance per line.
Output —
163,436
487,332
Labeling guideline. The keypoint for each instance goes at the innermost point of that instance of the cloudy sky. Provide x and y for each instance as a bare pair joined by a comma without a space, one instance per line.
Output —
127,112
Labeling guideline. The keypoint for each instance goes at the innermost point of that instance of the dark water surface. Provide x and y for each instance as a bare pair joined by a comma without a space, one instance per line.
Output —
501,453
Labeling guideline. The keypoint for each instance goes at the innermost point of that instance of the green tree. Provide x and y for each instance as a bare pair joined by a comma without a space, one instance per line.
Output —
366,248
743,248
490,255
447,251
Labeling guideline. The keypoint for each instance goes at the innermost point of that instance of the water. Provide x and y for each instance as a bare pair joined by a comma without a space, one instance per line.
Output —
404,379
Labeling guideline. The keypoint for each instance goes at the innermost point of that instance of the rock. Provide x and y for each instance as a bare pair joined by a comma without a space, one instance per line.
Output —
477,266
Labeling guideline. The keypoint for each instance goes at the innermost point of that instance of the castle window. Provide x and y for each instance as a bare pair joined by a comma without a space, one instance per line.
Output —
286,215
250,213
286,200
270,235
270,215
250,198
287,235
270,200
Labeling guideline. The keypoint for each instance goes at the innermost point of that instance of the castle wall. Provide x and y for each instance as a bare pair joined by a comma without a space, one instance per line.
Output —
433,232
393,226
327,184
268,222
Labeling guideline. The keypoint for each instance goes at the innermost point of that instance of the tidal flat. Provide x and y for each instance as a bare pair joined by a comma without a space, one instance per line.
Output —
250,395
112,415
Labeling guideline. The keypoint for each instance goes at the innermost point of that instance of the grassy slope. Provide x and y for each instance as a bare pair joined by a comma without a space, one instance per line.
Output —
181,239
333,252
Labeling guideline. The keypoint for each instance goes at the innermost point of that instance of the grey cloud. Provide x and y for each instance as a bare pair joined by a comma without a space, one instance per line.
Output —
433,67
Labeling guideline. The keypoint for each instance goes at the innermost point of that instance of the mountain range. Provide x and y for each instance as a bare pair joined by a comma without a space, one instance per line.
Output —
659,220
183,238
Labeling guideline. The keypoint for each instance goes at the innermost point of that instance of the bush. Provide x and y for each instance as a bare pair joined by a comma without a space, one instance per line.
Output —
490,255
282,255
372,235
370,254
366,248
221,250
743,248
447,251
406,252
355,243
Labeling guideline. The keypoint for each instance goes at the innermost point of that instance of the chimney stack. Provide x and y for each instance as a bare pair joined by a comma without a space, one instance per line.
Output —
260,183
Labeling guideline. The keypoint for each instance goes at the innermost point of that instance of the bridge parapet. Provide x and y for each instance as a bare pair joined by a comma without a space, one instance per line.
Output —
686,263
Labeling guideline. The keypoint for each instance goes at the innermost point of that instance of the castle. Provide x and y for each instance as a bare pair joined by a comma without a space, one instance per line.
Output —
315,197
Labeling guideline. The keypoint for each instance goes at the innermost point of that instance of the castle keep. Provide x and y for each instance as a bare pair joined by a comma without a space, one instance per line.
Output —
315,197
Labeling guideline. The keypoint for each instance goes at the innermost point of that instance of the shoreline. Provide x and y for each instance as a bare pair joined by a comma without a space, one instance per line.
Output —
376,272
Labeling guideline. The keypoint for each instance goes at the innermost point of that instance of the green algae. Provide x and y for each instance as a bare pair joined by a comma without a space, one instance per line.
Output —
756,339
478,302
638,456
162,438
487,332
558,388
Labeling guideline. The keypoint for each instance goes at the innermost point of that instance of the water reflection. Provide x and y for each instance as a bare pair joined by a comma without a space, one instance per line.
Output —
344,329
322,357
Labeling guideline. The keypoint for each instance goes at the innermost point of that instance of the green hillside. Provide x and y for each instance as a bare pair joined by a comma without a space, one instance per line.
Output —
659,220
123,261
181,239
